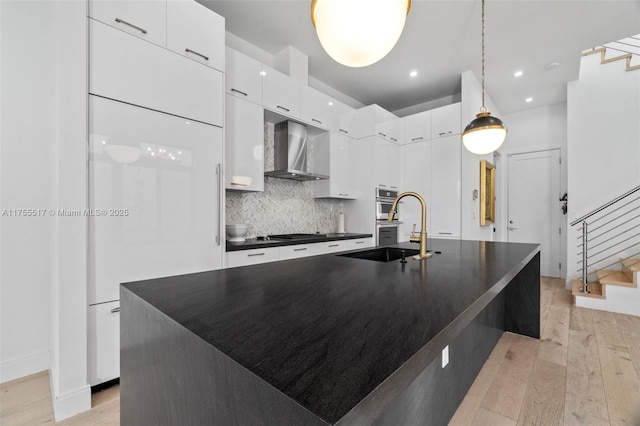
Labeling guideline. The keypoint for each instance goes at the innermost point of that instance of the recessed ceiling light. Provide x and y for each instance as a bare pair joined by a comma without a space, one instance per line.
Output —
413,73
518,73
529,100
263,73
330,103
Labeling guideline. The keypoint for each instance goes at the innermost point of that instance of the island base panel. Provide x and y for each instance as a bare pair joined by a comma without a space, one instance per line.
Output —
169,376
522,301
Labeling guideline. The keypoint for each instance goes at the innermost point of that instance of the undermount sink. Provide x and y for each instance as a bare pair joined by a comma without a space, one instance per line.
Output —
382,254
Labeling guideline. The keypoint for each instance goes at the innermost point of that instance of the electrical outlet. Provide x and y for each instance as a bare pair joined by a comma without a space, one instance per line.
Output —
445,356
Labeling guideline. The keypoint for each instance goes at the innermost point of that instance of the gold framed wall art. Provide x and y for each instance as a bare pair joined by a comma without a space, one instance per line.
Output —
487,193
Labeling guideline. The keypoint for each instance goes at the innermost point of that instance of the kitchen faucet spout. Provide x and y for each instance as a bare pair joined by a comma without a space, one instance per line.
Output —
422,239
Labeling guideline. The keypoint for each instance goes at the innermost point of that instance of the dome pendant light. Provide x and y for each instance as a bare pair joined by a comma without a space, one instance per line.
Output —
485,133
357,33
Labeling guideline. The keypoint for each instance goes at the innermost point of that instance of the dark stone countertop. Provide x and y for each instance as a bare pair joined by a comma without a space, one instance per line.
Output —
331,331
257,244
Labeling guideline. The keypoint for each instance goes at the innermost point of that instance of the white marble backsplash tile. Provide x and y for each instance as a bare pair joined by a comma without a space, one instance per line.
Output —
285,206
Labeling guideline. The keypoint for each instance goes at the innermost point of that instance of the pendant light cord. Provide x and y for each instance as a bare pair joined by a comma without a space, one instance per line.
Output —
483,108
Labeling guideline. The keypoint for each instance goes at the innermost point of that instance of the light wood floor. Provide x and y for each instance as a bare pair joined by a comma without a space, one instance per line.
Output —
584,370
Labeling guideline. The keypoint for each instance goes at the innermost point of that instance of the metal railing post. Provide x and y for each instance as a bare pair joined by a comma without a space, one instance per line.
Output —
584,256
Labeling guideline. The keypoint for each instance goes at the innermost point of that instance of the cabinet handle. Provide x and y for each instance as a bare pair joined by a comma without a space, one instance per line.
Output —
414,139
382,134
317,121
206,58
281,107
239,91
359,242
394,187
115,310
444,233
394,139
220,195
441,133
122,21
382,186
255,254
300,249
343,131
334,245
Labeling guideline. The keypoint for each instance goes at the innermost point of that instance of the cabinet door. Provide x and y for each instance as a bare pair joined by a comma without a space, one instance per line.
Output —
252,257
243,76
244,145
446,121
417,178
154,180
331,247
129,70
280,93
196,32
146,19
417,127
360,243
103,342
331,156
316,107
388,164
445,187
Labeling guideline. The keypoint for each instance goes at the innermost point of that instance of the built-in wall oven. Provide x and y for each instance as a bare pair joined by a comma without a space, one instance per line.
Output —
386,232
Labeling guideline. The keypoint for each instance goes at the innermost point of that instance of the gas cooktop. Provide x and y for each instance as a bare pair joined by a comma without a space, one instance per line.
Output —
296,236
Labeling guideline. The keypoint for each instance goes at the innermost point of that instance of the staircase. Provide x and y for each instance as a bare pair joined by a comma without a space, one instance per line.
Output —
609,251
625,51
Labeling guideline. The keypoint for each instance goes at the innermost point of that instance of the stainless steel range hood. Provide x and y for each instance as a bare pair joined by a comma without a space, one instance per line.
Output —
290,153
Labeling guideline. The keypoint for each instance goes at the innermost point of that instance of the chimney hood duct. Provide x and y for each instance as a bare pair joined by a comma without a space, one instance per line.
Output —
290,153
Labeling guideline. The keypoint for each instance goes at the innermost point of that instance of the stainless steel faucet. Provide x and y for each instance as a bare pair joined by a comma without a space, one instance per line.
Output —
422,239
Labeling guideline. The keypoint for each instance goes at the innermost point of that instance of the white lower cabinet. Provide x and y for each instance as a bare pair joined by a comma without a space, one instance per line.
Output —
331,247
296,251
252,257
360,243
104,342
446,181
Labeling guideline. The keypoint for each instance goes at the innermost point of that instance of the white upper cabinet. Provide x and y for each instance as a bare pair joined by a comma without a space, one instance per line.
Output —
146,19
243,76
388,164
280,93
331,157
363,122
417,127
195,32
244,145
391,130
446,181
340,121
446,121
128,69
316,107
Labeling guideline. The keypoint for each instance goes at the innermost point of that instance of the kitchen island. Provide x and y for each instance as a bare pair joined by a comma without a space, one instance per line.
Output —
324,340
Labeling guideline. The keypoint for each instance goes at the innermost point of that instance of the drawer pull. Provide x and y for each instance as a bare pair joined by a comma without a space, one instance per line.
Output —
206,58
281,107
334,245
122,21
382,134
115,310
359,242
445,233
300,249
317,121
255,254
417,139
239,91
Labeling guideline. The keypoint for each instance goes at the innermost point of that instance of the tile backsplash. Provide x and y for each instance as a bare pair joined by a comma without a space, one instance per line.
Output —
285,206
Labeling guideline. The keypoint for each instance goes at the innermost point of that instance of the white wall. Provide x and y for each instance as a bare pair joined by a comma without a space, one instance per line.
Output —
44,166
531,130
28,127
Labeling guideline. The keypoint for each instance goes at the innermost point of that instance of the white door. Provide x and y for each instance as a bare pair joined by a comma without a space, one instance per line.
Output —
533,209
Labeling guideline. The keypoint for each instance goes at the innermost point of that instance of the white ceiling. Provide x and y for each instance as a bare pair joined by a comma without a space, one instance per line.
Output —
441,39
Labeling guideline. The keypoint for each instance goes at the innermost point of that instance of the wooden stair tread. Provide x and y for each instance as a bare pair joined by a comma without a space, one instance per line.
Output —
631,263
596,290
606,276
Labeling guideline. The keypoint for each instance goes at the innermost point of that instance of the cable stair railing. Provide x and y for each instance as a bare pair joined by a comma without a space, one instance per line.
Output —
627,49
609,234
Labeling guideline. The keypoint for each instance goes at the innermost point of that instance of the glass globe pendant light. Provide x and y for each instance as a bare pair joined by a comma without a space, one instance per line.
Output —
485,133
357,33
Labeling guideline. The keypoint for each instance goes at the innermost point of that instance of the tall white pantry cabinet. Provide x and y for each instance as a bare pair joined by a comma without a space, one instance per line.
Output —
156,102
